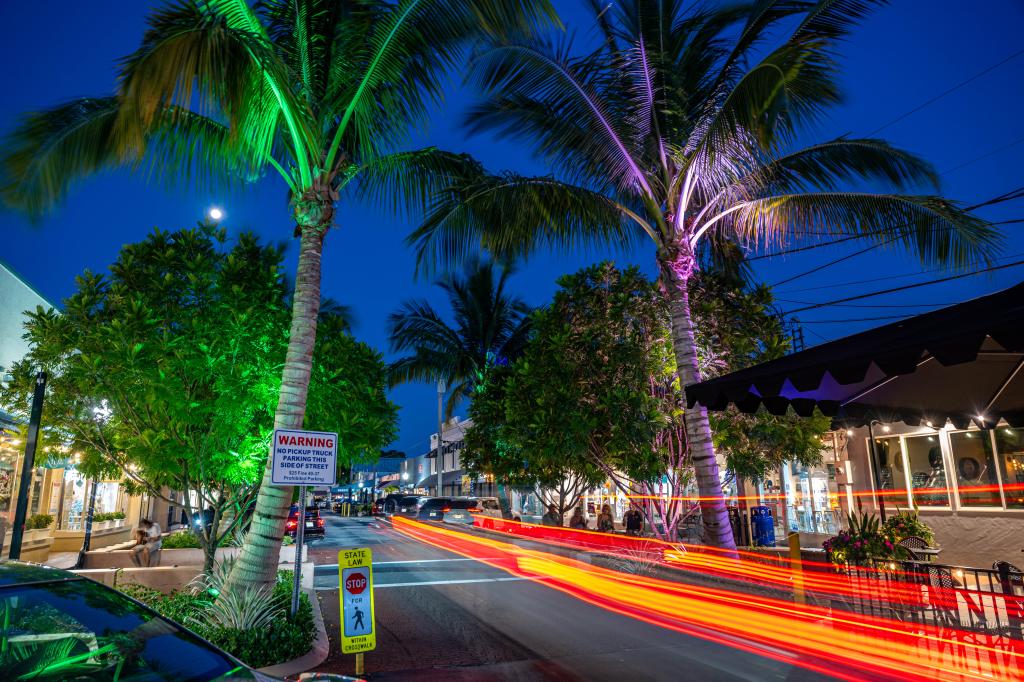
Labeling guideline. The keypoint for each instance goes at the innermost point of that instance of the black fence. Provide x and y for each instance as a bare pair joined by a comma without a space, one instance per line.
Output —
980,601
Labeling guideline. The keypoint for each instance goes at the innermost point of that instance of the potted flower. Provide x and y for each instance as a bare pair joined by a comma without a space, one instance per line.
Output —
907,524
864,543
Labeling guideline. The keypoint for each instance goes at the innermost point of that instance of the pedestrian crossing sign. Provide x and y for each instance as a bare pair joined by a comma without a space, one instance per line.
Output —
356,588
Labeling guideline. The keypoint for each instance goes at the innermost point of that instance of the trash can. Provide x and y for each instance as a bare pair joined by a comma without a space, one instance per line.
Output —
763,526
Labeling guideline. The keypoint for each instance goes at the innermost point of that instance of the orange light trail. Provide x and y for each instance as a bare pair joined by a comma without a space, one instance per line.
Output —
837,643
898,492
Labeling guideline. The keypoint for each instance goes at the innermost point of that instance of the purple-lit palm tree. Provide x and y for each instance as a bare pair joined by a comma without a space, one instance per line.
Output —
679,128
315,92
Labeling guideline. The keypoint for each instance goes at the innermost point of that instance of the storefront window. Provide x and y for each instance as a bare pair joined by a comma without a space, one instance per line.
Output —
889,461
1010,446
927,471
811,499
974,466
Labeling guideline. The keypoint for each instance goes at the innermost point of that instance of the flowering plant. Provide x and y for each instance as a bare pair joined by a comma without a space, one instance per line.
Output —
906,524
864,542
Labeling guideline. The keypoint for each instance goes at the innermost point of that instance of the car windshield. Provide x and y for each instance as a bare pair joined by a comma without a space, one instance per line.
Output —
409,501
80,630
462,504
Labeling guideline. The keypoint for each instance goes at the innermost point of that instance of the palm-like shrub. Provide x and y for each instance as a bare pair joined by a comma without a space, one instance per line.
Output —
865,542
680,129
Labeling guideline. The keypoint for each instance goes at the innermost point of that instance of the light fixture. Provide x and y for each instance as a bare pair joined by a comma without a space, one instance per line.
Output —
886,428
849,432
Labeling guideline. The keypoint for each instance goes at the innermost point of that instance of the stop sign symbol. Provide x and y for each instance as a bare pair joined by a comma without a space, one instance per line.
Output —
355,583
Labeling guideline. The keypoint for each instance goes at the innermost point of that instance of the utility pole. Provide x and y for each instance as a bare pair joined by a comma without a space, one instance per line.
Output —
440,430
28,466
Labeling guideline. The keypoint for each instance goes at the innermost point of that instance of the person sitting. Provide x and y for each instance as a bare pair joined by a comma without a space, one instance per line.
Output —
148,539
605,520
577,520
552,517
633,520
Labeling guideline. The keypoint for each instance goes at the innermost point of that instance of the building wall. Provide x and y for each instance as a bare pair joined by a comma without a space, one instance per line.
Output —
15,298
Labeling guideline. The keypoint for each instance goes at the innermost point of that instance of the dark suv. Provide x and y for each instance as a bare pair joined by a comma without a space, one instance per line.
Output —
409,505
314,523
434,508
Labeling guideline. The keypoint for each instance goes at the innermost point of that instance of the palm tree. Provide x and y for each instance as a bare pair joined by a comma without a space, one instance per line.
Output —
314,91
679,129
490,328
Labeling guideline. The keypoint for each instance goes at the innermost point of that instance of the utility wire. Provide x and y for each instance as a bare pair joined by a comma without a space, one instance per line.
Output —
906,286
856,319
942,94
883,279
987,154
870,305
1008,196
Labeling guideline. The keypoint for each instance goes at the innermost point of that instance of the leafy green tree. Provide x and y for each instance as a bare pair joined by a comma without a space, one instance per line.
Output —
166,372
679,129
594,397
490,328
315,92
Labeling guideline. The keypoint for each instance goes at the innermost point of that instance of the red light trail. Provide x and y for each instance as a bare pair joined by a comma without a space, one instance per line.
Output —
841,644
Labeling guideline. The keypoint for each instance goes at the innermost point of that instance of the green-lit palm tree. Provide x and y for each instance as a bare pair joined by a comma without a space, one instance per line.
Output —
490,327
680,129
316,92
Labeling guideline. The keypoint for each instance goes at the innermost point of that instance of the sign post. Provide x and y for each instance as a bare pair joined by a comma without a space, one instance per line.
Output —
357,618
303,458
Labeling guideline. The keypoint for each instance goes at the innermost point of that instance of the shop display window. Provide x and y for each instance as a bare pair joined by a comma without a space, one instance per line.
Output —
974,467
1010,449
891,475
927,471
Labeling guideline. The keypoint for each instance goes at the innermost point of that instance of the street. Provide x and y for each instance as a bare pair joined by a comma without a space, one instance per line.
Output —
443,616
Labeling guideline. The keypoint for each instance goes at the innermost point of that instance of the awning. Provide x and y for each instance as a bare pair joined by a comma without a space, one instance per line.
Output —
962,363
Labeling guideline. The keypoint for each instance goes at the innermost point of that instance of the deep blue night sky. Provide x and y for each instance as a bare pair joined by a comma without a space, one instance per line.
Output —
903,56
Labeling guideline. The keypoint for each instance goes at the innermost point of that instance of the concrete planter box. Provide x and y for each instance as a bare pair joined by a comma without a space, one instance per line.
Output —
71,540
36,545
121,558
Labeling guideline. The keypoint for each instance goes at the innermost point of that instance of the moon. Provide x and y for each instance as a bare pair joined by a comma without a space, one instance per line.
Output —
216,213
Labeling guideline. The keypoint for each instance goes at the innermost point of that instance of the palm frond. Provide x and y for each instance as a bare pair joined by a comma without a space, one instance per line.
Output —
935,229
511,216
409,180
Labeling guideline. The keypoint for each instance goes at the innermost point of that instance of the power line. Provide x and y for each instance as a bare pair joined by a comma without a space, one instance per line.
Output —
993,152
856,319
906,286
883,279
942,94
870,305
1007,196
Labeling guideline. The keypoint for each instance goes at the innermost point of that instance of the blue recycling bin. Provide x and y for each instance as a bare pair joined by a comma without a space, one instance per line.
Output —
763,526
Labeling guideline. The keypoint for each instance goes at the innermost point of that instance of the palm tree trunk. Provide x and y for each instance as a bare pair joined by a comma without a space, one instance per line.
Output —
676,266
258,560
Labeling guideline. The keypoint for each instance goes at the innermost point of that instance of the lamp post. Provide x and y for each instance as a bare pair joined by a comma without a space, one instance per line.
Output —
28,466
440,430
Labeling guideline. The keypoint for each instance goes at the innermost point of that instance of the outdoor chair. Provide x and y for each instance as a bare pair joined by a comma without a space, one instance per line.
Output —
912,543
1014,604
943,579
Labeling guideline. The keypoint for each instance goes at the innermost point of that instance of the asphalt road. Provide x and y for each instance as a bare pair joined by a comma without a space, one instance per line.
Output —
443,617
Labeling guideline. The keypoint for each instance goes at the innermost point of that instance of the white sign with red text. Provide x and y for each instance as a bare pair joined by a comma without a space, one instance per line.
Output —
304,457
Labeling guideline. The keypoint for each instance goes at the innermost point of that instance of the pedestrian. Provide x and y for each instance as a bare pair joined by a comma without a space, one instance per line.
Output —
577,520
605,520
148,539
633,520
552,517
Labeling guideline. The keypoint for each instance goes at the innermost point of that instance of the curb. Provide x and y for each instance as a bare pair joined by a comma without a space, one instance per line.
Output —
315,656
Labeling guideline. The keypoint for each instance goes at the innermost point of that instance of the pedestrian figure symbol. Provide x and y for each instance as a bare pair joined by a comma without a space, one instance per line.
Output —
359,619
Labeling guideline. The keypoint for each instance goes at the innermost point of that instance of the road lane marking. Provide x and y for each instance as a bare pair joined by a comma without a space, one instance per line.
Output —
413,561
380,586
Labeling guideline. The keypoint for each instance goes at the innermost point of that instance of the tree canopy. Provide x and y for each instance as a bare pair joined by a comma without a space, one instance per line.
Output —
165,372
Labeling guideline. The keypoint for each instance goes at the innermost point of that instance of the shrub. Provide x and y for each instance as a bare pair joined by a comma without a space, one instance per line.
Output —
182,539
37,521
279,640
907,524
864,542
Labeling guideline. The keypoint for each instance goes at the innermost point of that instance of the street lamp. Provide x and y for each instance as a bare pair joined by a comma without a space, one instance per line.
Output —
27,467
440,430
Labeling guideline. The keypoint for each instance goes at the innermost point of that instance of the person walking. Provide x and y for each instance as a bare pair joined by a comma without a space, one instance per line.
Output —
633,520
605,520
577,520
552,517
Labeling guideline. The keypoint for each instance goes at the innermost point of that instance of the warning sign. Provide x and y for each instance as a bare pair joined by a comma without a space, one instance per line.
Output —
304,457
356,577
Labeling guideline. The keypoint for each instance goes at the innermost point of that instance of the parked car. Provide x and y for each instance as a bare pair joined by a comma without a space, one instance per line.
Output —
490,507
460,510
433,508
390,502
409,505
377,508
61,626
314,522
